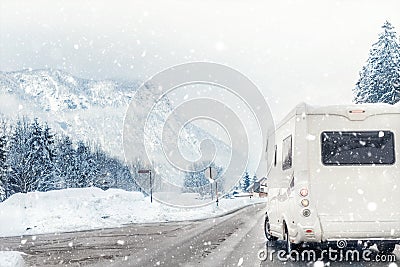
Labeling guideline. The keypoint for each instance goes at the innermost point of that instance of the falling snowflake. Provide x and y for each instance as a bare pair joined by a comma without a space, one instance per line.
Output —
372,206
220,46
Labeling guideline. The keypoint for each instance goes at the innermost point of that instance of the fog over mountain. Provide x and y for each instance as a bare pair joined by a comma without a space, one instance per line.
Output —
94,111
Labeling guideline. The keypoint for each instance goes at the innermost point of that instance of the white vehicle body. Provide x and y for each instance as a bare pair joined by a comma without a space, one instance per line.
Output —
346,161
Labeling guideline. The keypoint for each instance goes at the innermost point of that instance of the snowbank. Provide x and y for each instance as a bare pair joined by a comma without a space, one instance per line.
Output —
91,208
11,259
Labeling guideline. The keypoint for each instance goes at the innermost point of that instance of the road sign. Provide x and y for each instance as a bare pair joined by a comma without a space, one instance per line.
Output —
144,171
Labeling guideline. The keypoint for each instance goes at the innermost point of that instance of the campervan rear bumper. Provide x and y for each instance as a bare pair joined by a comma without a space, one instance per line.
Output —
360,230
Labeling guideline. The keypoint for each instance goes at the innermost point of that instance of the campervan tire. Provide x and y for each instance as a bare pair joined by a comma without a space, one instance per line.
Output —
267,230
386,248
289,246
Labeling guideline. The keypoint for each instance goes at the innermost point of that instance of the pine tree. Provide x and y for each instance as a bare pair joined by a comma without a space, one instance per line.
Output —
195,181
43,156
33,158
82,166
3,166
18,175
30,157
64,163
380,79
140,180
120,177
126,182
255,179
3,157
105,170
245,182
85,164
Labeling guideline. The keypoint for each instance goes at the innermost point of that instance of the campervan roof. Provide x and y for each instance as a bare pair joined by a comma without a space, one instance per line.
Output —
351,111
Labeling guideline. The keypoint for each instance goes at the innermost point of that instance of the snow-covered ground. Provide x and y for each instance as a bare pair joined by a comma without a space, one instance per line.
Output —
91,208
11,259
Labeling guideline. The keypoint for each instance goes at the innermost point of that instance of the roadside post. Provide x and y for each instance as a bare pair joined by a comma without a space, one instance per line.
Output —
211,174
216,191
151,184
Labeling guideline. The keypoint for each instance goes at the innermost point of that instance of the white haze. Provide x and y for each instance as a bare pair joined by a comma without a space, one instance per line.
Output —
294,50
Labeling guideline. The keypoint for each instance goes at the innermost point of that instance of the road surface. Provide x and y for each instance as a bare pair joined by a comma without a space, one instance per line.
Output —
231,240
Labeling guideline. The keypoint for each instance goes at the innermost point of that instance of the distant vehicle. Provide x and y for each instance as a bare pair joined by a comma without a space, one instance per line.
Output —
335,176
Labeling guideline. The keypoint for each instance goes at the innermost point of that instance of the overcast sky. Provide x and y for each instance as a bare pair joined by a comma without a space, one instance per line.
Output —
293,50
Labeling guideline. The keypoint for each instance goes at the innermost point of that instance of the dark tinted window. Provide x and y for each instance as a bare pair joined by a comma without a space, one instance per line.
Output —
287,153
357,148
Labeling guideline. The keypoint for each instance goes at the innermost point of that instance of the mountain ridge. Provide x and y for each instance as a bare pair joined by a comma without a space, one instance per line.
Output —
92,110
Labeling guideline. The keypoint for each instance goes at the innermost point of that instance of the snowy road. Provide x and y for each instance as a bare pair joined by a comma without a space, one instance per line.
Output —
231,240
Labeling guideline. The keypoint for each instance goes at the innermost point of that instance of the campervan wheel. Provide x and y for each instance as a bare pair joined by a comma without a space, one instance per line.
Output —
289,245
267,230
385,247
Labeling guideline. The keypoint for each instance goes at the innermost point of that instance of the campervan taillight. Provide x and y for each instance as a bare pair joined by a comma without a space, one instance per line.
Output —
304,192
305,202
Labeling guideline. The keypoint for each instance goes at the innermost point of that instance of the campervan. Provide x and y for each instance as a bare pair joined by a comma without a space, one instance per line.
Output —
335,175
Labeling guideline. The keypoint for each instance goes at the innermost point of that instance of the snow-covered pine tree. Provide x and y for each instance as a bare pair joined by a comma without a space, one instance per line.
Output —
255,179
86,168
245,182
64,163
3,157
105,169
141,182
126,180
119,176
19,178
3,166
32,158
49,180
380,78
195,181
41,155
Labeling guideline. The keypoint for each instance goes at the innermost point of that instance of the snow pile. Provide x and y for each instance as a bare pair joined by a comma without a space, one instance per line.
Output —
11,259
91,208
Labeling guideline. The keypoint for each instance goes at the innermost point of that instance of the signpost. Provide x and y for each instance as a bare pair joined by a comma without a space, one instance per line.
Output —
210,174
151,185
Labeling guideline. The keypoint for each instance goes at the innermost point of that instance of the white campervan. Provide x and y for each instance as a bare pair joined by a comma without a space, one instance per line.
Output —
335,175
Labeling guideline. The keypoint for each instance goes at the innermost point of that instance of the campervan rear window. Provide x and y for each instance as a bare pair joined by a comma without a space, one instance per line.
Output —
357,148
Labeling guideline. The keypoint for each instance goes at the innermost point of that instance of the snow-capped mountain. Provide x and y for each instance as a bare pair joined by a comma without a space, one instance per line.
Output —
91,110
55,90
